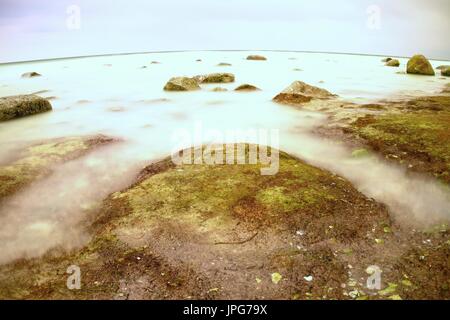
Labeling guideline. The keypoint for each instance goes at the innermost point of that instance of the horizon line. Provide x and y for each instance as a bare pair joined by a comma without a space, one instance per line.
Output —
204,50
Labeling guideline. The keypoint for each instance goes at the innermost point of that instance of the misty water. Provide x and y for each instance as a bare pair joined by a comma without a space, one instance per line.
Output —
117,97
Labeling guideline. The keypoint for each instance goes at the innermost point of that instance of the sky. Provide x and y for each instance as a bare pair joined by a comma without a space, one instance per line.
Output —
44,29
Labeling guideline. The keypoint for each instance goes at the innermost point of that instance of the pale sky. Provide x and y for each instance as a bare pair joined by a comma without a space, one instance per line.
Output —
42,29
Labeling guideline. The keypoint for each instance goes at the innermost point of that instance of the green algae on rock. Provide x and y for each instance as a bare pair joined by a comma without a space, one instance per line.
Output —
300,92
182,84
419,134
12,107
215,78
37,160
418,64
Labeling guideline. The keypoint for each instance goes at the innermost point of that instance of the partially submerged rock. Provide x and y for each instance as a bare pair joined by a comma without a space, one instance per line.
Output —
393,63
247,87
12,107
36,161
386,60
219,89
31,74
300,92
445,71
256,57
418,64
224,64
442,67
215,78
182,84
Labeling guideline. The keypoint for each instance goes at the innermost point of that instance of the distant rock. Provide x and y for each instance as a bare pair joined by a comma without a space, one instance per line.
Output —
418,64
198,60
215,78
299,92
297,69
247,87
442,67
393,63
31,75
224,64
219,89
155,62
256,57
446,71
386,60
181,84
22,105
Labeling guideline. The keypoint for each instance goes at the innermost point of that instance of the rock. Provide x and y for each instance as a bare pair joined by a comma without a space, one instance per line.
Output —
224,64
247,87
393,63
446,71
23,105
155,62
31,75
256,57
442,67
181,84
386,60
299,92
418,64
297,69
215,78
219,89
198,60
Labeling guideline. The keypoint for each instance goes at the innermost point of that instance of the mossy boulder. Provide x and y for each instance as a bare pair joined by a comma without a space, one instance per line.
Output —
182,84
256,57
36,161
300,92
393,63
418,64
215,78
247,87
12,107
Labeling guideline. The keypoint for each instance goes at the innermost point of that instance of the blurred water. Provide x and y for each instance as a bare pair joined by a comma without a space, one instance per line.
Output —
115,96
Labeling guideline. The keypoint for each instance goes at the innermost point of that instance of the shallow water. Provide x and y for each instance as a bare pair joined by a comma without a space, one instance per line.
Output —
113,95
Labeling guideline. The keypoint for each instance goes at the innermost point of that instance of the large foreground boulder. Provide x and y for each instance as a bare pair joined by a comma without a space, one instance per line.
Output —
181,84
299,92
22,105
418,64
215,78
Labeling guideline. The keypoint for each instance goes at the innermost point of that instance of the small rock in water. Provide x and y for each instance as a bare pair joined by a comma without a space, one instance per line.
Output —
418,64
22,105
393,63
446,71
181,84
299,92
256,57
247,87
224,64
31,75
215,78
219,89
386,60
